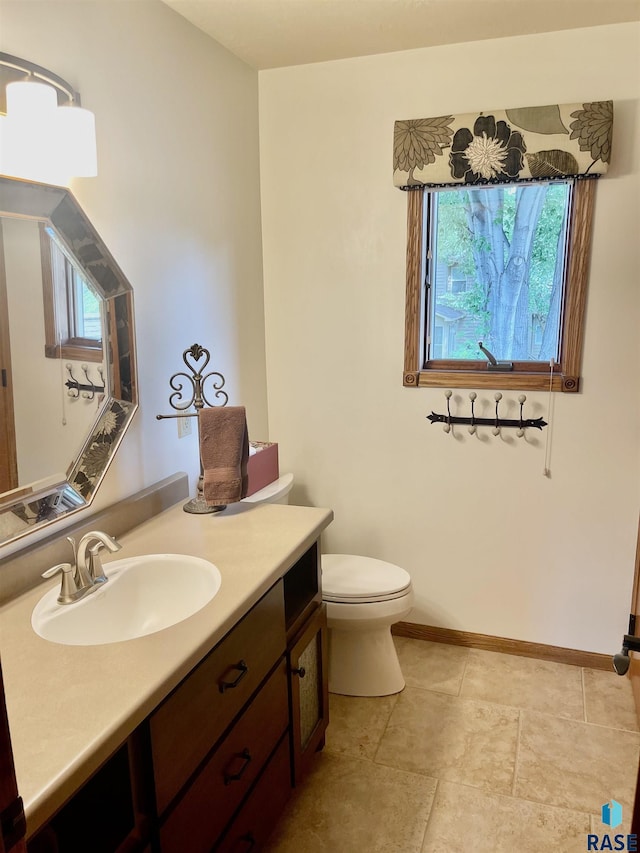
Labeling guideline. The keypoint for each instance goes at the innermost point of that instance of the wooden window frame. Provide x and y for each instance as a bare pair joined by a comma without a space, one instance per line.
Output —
58,341
526,376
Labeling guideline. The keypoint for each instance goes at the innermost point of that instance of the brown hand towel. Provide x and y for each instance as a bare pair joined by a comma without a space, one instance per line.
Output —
224,450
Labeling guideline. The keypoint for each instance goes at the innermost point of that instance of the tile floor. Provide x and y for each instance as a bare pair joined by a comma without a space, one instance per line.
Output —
481,753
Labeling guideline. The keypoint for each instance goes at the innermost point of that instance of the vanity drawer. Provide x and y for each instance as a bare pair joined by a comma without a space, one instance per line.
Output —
194,717
258,816
204,811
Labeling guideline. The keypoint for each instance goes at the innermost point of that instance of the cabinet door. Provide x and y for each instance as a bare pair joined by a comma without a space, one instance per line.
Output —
309,690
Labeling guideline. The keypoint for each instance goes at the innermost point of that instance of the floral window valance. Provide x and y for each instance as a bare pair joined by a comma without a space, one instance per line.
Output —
503,145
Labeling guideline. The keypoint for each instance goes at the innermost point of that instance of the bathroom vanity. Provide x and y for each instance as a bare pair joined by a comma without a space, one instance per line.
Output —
189,739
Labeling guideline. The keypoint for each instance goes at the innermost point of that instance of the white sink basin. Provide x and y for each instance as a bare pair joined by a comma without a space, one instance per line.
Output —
143,595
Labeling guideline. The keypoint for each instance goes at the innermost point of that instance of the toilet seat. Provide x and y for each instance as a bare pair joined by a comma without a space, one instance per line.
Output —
351,579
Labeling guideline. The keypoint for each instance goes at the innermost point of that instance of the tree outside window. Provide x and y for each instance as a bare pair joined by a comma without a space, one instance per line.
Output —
501,264
504,249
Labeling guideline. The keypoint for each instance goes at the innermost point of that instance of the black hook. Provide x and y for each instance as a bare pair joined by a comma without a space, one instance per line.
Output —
472,427
447,426
92,388
72,383
521,399
497,398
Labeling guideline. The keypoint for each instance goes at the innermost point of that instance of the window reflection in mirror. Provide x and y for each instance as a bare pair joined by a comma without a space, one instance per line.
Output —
73,320
84,310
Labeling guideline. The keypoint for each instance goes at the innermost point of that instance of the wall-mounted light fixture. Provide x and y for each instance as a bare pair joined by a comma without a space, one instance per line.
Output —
45,135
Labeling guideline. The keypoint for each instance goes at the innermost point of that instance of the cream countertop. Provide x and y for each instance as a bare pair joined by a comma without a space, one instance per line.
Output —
70,707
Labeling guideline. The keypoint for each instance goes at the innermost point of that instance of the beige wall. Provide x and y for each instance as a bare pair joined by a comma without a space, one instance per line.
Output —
493,546
176,201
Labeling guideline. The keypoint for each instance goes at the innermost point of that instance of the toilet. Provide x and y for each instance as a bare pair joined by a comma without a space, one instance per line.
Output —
273,493
364,597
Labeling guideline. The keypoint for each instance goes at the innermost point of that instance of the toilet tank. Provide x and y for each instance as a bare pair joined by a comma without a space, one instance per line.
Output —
273,493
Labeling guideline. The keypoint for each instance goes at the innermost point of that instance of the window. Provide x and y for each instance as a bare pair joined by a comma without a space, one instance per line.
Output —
457,279
503,248
73,319
83,308
501,264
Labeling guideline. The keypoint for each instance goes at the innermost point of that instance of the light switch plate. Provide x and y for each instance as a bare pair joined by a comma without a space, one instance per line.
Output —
184,427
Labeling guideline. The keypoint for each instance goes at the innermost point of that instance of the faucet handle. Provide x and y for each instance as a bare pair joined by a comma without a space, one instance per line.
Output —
61,567
68,591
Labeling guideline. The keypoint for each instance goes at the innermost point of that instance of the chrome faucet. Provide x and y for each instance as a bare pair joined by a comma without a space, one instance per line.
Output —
88,574
89,564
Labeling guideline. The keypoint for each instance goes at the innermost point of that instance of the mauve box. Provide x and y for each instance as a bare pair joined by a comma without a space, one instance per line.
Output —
262,466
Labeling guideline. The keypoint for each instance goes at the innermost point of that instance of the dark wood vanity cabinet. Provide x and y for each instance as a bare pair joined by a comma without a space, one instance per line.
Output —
230,742
194,718
213,766
306,662
212,738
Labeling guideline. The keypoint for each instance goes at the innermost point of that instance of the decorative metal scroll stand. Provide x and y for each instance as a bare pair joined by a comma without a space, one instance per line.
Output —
181,402
521,423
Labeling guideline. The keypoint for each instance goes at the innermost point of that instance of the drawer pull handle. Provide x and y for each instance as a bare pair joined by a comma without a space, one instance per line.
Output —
245,757
227,685
301,671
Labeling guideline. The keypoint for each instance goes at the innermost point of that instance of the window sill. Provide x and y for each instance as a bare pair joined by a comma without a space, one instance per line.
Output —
513,381
74,352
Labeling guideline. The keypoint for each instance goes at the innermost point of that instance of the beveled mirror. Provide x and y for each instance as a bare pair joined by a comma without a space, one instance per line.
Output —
67,395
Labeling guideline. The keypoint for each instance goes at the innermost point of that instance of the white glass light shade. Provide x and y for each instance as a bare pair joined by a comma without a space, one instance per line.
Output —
27,99
77,139
26,152
40,141
26,129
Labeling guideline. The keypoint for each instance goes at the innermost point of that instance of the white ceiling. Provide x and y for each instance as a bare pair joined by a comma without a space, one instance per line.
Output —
275,33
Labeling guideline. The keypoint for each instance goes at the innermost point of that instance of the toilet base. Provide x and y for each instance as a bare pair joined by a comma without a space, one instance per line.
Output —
364,663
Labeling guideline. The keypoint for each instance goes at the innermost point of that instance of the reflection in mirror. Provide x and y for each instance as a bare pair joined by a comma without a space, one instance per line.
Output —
67,356
72,316
50,420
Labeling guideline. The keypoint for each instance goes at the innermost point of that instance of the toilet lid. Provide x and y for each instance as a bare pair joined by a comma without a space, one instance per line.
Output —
350,578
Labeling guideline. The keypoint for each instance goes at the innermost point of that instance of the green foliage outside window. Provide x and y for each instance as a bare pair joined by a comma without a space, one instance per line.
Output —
509,242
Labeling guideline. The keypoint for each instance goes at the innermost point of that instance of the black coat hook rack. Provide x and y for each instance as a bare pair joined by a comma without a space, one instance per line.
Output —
88,389
520,424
